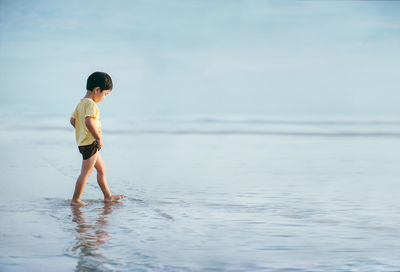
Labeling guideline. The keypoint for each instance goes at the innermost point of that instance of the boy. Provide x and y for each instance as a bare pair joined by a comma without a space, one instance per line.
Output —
86,121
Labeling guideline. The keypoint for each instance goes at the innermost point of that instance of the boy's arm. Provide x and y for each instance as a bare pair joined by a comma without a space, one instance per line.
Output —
72,121
91,125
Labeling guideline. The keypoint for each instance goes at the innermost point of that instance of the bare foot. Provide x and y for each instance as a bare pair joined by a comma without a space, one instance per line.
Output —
78,203
113,198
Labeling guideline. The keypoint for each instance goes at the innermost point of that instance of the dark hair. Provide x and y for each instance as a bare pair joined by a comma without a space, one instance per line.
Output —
99,79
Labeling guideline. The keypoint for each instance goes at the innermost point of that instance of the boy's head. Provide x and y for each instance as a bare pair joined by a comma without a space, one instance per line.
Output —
99,79
100,84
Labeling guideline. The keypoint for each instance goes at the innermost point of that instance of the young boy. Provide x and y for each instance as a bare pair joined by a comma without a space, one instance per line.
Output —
86,121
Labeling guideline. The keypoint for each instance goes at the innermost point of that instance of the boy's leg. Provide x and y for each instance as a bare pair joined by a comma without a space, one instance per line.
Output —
102,181
87,168
101,176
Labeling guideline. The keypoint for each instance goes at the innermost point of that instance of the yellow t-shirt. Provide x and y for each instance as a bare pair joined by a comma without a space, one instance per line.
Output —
86,107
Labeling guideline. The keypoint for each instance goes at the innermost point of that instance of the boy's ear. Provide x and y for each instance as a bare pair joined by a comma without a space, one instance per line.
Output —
96,89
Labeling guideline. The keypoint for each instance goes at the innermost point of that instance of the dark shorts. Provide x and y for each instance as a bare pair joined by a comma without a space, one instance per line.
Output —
88,150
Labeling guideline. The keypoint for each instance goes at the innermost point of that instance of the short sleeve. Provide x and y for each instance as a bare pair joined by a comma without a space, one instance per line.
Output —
91,109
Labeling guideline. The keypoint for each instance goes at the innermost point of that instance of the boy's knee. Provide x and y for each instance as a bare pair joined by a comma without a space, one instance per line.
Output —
101,170
86,172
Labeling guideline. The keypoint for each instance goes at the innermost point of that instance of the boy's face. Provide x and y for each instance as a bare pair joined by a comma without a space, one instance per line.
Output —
99,95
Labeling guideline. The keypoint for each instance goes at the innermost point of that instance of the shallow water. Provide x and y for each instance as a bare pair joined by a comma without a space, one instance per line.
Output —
205,195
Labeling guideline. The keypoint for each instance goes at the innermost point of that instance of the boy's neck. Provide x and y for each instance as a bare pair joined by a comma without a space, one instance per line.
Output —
89,94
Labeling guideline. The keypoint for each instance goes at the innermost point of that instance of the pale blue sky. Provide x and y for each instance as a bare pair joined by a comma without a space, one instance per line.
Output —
202,57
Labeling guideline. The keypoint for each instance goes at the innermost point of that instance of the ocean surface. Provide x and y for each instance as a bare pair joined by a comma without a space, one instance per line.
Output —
205,194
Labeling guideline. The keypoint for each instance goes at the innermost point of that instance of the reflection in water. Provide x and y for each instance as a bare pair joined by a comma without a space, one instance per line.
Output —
90,236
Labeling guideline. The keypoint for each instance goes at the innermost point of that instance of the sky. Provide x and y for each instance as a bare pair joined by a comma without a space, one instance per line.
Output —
195,57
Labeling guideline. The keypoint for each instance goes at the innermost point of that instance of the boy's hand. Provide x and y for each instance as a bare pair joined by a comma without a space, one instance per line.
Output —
99,143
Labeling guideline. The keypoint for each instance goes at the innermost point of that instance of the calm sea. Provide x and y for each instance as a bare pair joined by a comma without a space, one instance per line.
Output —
205,194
